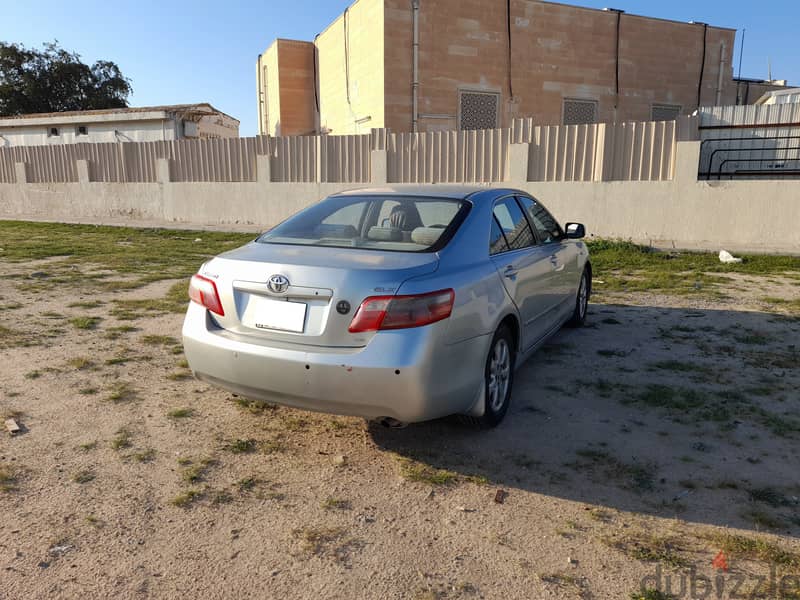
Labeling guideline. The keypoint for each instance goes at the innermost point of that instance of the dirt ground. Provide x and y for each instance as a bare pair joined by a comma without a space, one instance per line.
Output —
637,448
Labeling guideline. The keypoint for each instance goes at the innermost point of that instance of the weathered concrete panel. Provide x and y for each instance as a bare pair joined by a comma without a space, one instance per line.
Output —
684,213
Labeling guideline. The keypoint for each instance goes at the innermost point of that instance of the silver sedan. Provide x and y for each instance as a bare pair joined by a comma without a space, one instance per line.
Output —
402,303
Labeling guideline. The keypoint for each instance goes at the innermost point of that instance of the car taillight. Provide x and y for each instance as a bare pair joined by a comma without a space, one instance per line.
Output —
204,291
400,312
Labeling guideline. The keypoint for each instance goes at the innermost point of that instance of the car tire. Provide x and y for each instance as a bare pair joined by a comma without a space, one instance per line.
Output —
578,317
498,379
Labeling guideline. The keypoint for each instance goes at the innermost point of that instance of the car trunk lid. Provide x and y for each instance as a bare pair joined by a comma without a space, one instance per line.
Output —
315,290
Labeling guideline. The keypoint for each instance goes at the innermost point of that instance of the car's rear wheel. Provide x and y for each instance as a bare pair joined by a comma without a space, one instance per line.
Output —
578,317
498,379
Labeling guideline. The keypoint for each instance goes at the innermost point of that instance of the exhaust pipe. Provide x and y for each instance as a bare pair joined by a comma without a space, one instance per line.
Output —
391,423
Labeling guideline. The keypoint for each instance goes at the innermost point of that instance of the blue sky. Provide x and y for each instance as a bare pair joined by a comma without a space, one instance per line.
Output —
203,51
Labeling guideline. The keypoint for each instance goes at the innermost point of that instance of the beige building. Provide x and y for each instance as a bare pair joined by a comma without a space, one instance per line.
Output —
139,124
786,96
430,65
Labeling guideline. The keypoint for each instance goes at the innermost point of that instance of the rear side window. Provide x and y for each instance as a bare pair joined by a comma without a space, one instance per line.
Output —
397,223
497,241
547,228
513,223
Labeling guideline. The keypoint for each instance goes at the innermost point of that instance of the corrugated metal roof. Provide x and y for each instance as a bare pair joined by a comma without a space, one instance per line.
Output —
199,108
787,96
750,114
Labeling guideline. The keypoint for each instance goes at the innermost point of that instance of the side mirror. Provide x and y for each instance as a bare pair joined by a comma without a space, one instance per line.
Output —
575,231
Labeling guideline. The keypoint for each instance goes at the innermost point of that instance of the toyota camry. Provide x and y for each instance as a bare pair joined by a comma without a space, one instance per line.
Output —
402,304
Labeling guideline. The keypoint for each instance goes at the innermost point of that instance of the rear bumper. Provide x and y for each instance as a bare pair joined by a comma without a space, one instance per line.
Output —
409,375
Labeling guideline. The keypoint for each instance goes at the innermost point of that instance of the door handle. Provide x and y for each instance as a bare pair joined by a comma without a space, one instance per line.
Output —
510,272
554,262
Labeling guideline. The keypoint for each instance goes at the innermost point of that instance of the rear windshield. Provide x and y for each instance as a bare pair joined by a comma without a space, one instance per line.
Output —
397,223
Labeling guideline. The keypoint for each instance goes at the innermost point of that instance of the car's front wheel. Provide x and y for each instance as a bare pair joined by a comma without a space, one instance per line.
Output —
498,378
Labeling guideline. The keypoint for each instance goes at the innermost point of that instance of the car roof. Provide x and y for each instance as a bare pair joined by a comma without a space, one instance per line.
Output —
430,190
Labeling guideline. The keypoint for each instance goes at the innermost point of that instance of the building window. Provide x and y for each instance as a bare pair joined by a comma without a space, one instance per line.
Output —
53,132
579,112
478,110
665,112
82,130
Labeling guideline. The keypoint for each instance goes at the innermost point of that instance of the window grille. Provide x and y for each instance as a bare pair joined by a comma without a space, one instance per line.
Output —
478,110
665,112
579,112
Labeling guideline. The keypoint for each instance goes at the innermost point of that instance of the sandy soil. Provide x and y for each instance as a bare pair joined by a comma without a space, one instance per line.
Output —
600,464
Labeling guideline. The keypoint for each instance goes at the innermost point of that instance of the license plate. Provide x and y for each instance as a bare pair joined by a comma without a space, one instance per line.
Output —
280,314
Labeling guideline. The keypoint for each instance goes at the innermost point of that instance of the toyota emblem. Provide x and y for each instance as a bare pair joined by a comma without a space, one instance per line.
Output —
278,284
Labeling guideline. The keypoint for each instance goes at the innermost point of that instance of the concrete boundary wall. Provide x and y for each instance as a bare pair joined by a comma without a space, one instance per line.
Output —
756,216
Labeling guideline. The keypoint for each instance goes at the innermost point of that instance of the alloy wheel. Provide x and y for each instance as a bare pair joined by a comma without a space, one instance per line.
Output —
499,374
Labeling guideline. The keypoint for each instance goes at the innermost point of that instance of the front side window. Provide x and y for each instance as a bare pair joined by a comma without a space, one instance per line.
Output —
547,228
395,223
513,223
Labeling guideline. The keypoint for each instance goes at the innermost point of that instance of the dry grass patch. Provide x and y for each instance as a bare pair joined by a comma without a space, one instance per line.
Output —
80,363
273,446
336,504
13,338
651,594
196,472
332,542
637,478
120,359
221,497
175,301
255,407
754,548
83,476
564,581
121,391
113,333
413,470
241,446
142,256
649,547
144,456
159,340
247,484
86,304
181,413
122,439
187,498
9,479
85,322
179,375
315,540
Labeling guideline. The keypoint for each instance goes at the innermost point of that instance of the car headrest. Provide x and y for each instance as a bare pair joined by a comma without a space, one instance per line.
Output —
336,231
426,236
385,234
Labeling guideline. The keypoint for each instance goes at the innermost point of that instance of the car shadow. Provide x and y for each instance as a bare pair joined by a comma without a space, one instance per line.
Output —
671,412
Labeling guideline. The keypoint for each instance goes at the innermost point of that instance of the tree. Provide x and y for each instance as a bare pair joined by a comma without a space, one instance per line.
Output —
55,80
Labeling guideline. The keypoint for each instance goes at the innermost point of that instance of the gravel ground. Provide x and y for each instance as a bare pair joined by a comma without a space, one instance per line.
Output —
636,447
